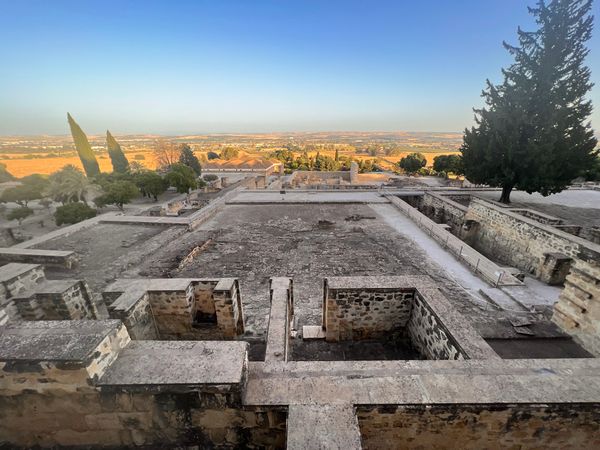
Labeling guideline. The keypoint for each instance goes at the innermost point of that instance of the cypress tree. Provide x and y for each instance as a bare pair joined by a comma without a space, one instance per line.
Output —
117,157
84,149
534,132
187,158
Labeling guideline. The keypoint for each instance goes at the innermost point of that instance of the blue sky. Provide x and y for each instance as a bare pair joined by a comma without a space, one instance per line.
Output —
176,67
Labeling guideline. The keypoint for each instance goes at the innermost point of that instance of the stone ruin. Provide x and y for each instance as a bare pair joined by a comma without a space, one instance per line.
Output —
170,362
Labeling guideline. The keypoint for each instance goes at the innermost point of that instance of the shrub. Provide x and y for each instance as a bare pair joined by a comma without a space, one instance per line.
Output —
117,193
19,214
139,157
210,177
73,213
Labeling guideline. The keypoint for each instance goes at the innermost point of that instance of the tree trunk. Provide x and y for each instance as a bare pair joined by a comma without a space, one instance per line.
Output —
506,190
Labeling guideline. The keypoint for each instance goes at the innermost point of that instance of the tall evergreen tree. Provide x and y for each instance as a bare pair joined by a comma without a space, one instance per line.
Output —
534,132
187,158
84,149
117,157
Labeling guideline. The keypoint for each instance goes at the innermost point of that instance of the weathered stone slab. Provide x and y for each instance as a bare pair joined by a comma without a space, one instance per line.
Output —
60,340
321,427
38,256
152,363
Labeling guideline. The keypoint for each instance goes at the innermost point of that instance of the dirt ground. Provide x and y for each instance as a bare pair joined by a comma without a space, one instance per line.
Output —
107,251
305,242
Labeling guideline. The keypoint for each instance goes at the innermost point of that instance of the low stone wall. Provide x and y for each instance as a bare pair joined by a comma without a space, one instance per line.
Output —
429,335
357,308
59,258
26,294
517,240
177,308
442,209
355,314
563,426
56,300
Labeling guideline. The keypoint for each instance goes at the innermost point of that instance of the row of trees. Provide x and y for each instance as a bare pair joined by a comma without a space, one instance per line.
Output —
319,162
442,164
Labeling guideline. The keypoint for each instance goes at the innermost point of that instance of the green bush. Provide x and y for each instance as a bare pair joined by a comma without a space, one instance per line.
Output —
73,213
210,177
19,213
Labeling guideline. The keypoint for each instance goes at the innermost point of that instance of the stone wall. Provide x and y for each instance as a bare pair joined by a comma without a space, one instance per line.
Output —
177,308
544,252
56,300
26,294
136,314
74,384
442,209
429,335
355,314
564,426
408,306
517,240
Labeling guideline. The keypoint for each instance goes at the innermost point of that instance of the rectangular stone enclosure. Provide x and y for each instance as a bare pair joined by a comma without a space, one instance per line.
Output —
374,308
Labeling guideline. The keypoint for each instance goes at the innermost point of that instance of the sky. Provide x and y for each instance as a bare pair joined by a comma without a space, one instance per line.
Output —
219,66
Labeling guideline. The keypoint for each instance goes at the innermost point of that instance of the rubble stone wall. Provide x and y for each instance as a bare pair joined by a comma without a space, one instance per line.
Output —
564,426
442,209
355,314
428,335
516,240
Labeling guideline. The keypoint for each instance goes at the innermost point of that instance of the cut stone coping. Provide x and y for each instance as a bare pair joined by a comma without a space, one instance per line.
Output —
48,287
379,282
168,363
11,271
132,290
40,256
424,382
54,340
147,220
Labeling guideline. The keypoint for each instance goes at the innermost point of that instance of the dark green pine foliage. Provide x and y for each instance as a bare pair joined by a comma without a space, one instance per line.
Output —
534,132
84,149
117,157
187,158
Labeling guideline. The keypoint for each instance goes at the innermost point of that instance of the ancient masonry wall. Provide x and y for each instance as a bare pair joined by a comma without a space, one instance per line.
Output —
355,314
69,403
170,313
57,300
517,240
442,209
429,335
138,318
544,251
479,426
